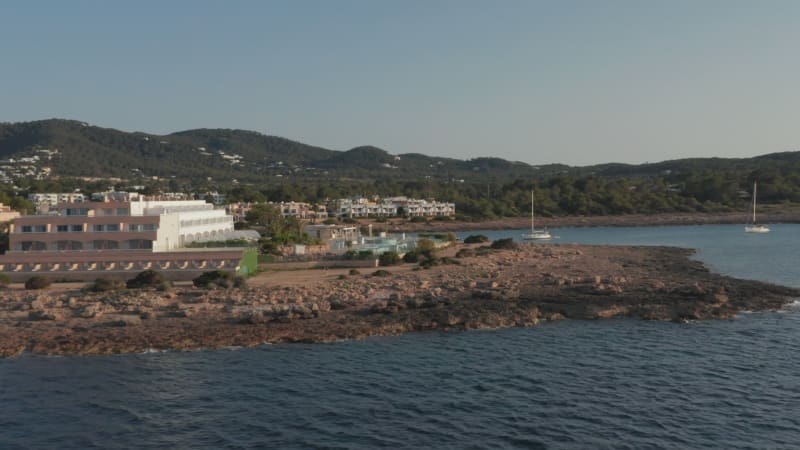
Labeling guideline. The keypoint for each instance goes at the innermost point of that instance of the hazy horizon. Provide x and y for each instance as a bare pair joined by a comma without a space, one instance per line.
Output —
574,82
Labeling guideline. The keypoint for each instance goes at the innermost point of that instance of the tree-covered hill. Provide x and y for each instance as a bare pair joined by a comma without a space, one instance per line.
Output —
225,154
50,155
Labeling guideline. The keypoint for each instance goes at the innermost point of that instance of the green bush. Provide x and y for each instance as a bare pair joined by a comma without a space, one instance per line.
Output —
411,257
146,278
5,280
215,278
504,244
354,272
37,282
105,285
240,282
476,239
425,246
390,258
165,286
381,273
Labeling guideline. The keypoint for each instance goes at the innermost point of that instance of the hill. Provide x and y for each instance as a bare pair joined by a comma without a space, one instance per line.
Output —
247,165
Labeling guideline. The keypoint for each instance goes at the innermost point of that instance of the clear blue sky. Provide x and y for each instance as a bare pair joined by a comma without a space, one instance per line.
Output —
575,82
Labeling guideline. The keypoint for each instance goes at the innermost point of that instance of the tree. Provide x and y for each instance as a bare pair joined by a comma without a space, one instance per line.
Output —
264,215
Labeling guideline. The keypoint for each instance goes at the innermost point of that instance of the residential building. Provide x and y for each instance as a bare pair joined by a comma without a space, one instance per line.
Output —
390,207
7,214
43,201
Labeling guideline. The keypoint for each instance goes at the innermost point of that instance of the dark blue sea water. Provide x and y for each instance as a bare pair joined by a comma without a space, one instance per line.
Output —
603,384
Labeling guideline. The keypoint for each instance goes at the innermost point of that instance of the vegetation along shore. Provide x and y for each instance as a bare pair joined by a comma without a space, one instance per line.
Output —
469,286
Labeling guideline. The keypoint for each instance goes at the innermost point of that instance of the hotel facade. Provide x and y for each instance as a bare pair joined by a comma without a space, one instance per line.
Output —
118,238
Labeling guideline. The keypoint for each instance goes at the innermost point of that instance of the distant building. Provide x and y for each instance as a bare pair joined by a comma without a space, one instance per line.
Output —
338,237
300,210
43,201
390,207
7,214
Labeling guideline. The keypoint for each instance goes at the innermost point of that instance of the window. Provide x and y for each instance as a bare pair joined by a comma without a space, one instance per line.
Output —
77,211
40,228
108,211
140,244
122,211
105,245
142,227
78,228
106,227
69,245
27,228
33,246
62,228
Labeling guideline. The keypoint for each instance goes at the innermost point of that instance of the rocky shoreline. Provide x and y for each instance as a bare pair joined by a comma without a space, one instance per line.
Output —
480,289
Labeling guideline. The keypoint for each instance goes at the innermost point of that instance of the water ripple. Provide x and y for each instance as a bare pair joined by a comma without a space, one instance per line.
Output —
613,384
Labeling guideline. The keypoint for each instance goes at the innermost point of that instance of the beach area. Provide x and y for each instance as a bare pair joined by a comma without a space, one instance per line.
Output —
472,287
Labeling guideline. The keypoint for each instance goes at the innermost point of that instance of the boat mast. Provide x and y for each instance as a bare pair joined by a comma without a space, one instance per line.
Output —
754,202
532,227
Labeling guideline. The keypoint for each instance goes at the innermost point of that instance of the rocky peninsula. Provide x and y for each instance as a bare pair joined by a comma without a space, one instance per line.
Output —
478,288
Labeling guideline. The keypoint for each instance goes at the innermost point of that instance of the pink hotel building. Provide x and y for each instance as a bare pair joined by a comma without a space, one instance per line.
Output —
118,239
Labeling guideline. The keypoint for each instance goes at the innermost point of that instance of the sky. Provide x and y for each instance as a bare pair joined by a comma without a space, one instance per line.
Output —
568,81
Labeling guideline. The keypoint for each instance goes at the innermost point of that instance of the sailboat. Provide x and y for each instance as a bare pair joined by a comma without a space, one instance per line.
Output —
755,227
535,234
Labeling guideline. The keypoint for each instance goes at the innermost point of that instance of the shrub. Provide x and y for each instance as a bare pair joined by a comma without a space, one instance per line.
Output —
354,272
215,278
465,253
146,278
411,257
240,282
381,273
165,286
425,246
5,280
37,282
342,277
428,263
504,244
105,285
390,258
476,239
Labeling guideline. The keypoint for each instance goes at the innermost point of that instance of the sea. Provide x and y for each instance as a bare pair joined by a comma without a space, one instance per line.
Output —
615,384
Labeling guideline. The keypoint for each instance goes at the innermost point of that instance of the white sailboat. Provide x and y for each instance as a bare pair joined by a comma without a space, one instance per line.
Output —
536,234
755,227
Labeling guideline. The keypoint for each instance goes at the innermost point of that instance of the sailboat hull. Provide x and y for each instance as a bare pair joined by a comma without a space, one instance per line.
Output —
537,236
756,229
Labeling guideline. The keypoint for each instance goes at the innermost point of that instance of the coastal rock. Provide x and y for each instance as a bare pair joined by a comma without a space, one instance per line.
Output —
40,314
498,289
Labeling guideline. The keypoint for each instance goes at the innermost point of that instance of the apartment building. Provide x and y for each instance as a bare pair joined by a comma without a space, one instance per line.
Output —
43,201
391,206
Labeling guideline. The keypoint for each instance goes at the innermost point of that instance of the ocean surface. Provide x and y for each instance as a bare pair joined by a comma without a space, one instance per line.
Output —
602,384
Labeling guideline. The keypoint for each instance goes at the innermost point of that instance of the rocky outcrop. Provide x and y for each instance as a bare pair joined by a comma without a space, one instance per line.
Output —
520,287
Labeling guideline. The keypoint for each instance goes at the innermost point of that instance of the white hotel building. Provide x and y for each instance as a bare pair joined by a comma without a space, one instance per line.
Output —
120,237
